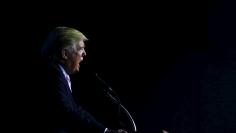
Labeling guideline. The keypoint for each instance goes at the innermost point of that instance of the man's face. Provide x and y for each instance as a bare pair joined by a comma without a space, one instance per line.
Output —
74,58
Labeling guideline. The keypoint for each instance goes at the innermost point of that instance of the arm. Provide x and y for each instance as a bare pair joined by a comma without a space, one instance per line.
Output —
77,113
65,108
80,116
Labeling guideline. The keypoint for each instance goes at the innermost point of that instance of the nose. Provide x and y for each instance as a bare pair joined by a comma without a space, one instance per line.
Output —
84,53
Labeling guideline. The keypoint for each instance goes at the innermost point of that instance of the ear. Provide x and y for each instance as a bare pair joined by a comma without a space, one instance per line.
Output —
64,53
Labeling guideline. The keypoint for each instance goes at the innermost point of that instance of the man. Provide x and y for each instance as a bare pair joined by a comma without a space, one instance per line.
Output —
63,50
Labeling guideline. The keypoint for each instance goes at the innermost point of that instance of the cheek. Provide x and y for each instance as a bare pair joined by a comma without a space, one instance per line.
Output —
75,62
78,59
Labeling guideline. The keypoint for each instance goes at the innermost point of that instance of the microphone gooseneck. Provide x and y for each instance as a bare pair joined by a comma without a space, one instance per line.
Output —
114,97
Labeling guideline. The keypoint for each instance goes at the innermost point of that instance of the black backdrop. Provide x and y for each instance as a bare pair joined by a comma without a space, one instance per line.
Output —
157,57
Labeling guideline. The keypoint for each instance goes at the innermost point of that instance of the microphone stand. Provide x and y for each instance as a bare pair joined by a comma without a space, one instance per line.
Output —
116,99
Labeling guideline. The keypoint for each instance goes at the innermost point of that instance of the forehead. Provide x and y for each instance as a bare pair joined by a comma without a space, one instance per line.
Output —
80,44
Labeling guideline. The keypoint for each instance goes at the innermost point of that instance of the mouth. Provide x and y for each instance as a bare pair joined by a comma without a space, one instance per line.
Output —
78,66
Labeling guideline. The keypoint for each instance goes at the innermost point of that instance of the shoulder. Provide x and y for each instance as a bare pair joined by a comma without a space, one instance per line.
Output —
50,71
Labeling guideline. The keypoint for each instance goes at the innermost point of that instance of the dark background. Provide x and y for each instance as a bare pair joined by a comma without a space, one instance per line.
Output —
166,70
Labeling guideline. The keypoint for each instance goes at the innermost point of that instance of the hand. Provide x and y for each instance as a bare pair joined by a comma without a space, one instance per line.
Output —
116,131
122,131
164,131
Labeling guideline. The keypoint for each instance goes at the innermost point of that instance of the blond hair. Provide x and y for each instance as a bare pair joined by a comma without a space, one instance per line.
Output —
60,38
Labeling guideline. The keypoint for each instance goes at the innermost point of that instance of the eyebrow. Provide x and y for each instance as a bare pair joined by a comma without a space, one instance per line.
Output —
79,48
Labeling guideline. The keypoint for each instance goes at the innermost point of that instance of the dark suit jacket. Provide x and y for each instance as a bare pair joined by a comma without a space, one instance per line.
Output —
61,113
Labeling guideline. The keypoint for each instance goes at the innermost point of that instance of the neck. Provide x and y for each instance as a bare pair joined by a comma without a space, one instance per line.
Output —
63,64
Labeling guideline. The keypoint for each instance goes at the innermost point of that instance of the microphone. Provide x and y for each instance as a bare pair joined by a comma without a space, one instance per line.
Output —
108,90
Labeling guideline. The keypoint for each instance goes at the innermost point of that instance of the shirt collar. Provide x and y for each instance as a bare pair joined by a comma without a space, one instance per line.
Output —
64,72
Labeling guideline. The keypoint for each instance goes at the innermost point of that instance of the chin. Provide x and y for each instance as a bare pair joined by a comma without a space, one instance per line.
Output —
77,69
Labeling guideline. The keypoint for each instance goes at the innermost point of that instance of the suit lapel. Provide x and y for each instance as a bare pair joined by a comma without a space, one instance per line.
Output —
62,77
